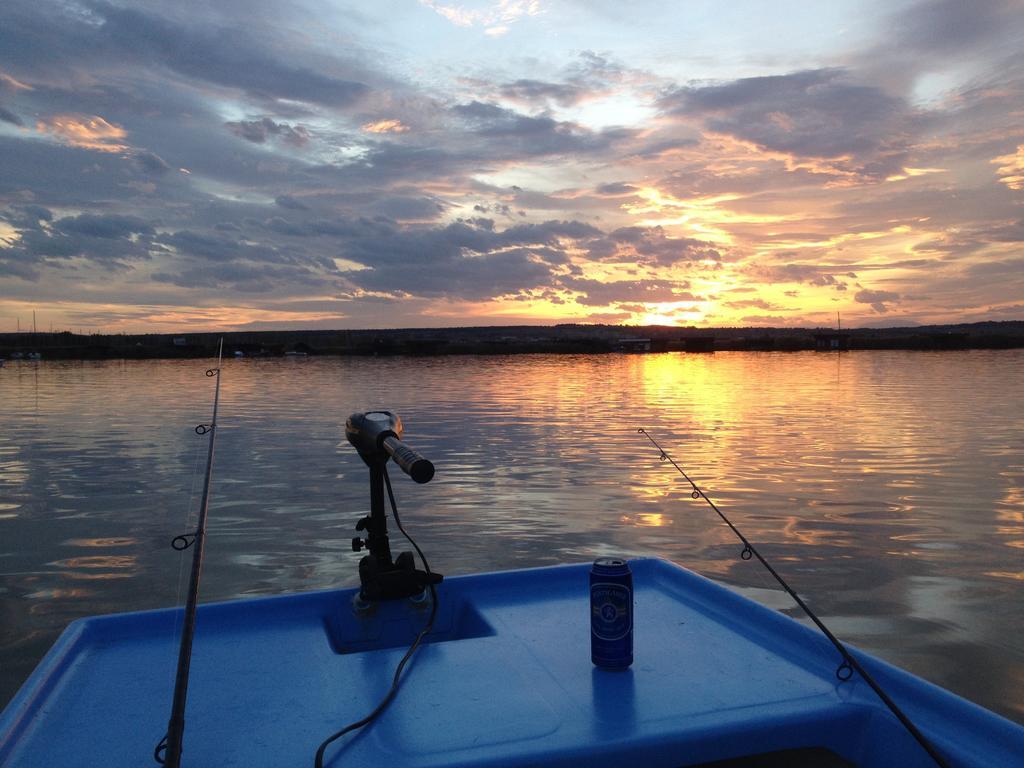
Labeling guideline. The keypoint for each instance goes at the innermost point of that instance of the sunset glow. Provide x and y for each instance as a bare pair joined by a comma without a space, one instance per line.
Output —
86,132
512,161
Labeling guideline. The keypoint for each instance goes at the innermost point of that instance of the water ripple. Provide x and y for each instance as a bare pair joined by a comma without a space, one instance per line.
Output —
888,486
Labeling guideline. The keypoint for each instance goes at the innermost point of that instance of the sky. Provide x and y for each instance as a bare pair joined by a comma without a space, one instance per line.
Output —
255,164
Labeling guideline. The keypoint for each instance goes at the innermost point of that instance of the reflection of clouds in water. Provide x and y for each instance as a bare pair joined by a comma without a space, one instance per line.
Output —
96,567
1010,521
861,478
98,562
60,593
102,543
13,472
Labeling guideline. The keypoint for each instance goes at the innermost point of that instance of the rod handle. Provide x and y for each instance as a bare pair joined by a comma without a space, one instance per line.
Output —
408,460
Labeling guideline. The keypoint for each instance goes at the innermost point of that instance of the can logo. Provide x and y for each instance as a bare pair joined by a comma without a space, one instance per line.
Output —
610,615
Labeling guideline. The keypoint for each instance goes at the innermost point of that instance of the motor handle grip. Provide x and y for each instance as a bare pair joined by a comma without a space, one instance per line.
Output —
408,460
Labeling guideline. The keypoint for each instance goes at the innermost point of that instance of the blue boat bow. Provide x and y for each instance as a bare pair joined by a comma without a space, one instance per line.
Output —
505,679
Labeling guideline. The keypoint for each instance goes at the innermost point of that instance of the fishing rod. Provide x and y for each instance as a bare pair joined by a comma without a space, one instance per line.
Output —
168,750
849,664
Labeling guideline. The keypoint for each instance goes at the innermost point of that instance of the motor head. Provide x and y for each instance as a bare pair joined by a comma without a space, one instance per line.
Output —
377,436
367,431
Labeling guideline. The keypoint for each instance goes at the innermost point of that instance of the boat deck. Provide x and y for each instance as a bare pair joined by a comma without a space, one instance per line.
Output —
505,680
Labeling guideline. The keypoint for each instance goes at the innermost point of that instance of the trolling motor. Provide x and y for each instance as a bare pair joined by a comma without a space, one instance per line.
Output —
377,435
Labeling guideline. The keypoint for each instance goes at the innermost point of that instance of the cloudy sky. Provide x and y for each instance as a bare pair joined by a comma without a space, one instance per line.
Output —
235,164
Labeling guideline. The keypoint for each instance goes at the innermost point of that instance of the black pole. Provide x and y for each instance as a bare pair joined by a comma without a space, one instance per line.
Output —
376,435
377,526
176,724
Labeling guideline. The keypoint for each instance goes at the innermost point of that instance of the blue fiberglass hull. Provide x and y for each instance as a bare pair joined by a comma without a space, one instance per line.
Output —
506,680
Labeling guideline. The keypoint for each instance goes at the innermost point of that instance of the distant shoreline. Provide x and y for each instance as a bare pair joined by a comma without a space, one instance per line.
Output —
500,340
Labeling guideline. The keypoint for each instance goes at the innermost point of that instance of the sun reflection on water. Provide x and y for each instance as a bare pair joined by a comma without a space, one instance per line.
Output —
887,487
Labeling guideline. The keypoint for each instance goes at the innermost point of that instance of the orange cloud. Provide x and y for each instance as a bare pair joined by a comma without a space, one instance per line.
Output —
135,318
704,216
87,132
386,126
1011,173
908,173
8,234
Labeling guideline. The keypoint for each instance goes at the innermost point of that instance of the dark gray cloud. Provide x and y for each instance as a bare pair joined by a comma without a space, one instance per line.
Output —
388,163
291,203
51,38
226,56
17,265
550,255
464,260
383,180
949,27
514,133
596,293
548,232
258,131
1009,233
407,208
652,246
151,163
26,216
817,113
590,75
503,209
39,37
166,126
107,227
250,161
223,260
380,242
879,300
223,248
60,176
110,241
527,90
801,272
241,277
615,189
285,227
962,242
203,246
946,204
9,117
1001,268
475,278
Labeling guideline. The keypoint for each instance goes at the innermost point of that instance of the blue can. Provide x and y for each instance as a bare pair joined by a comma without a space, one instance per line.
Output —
611,613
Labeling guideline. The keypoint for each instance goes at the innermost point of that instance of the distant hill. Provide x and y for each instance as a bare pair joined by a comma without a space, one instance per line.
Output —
512,339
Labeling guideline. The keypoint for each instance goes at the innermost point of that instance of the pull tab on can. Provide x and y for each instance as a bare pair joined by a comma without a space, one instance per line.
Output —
611,613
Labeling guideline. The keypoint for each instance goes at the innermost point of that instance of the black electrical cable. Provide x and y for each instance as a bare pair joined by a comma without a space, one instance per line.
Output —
319,762
850,664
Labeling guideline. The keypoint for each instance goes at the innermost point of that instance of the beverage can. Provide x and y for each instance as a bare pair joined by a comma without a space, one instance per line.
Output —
611,613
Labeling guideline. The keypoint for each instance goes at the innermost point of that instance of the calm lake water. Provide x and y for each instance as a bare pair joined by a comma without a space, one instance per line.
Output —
887,486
